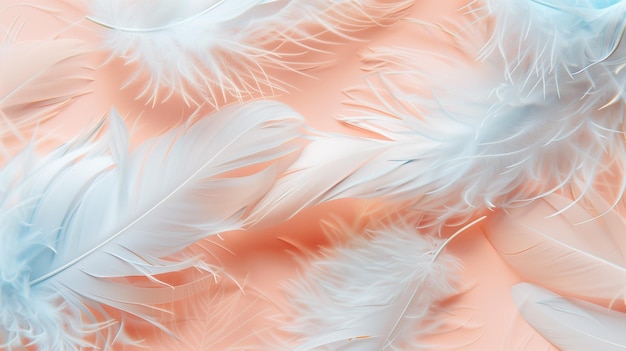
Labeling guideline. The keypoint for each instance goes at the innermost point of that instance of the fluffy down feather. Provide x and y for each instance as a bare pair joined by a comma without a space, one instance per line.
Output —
79,223
563,44
454,145
377,292
218,49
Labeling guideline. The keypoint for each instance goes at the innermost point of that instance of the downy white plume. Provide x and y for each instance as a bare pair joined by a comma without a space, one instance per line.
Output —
377,293
570,324
459,140
218,49
79,223
573,46
576,253
37,78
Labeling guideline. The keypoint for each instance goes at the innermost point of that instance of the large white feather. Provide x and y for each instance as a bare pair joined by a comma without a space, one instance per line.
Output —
80,221
218,49
460,139
570,324
376,293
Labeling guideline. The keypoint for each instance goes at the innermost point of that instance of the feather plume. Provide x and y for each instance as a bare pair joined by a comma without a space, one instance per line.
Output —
573,46
570,324
37,78
79,223
576,253
376,293
218,49
454,146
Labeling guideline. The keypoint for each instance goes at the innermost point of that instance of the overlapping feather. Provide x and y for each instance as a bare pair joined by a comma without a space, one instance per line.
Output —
563,45
79,223
570,324
218,49
460,139
375,293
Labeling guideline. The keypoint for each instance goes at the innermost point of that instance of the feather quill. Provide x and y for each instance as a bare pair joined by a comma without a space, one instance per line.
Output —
377,293
570,324
452,147
79,222
575,253
38,78
218,49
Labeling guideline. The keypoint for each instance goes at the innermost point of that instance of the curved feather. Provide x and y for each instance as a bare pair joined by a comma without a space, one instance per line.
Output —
377,293
459,140
78,224
570,324
37,78
575,253
218,49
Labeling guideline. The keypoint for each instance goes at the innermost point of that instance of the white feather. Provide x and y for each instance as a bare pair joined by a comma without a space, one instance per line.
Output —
574,253
570,324
377,293
459,140
567,44
79,221
217,49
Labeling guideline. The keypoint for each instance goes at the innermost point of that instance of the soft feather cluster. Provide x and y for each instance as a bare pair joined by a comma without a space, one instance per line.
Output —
378,292
219,49
454,146
518,122
571,49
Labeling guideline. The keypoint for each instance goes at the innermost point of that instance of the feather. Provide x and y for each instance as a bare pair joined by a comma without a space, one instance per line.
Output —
570,324
38,78
377,293
218,49
80,223
459,140
217,319
575,253
563,43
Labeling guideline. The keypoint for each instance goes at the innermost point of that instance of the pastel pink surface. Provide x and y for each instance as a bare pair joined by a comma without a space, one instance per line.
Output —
482,318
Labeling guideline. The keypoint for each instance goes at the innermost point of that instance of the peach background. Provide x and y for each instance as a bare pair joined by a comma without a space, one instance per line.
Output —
483,318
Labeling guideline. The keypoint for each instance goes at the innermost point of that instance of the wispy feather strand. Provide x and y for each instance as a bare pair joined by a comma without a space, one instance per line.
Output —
217,49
